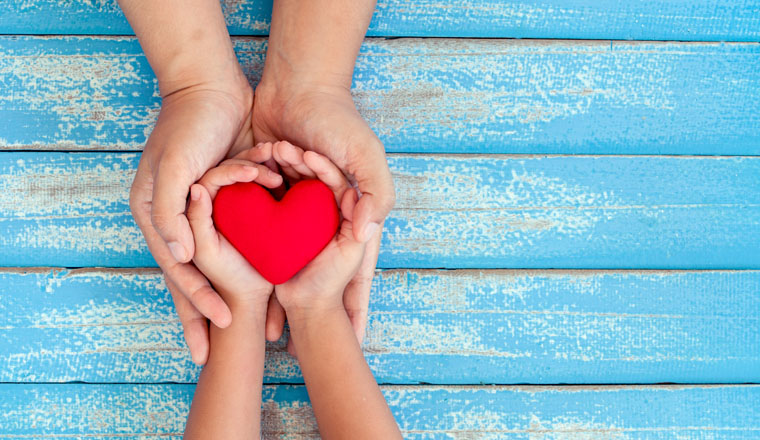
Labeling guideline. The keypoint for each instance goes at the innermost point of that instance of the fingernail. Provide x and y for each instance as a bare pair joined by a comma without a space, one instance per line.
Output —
196,359
177,250
224,322
194,193
369,230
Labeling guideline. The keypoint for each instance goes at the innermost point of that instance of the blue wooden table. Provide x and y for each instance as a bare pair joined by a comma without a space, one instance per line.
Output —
575,251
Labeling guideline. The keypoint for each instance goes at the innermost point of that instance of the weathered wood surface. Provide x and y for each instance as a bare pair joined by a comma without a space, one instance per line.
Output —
46,411
425,326
639,20
486,211
425,95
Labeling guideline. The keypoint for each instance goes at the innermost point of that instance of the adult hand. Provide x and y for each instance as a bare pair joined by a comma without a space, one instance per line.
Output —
197,127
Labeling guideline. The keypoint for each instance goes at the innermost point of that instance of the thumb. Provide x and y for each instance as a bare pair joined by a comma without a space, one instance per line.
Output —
378,196
346,238
172,180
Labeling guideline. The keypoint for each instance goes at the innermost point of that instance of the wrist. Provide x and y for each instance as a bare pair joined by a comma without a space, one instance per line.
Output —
191,71
305,319
231,87
285,92
248,303
186,43
281,74
306,306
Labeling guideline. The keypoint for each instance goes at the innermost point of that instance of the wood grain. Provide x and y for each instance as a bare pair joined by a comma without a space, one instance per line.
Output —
425,326
46,411
424,95
640,20
452,211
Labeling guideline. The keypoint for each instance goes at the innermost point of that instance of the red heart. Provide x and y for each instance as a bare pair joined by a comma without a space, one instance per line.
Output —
277,238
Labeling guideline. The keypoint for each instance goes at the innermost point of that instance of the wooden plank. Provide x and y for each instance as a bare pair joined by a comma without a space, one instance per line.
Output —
425,326
47,411
425,95
637,20
487,211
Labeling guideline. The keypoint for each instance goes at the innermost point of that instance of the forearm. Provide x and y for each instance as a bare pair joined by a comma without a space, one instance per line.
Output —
338,380
186,42
316,41
227,400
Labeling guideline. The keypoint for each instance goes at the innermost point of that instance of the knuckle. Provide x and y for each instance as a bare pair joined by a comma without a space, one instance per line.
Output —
356,314
389,201
137,201
194,319
200,292
361,282
160,222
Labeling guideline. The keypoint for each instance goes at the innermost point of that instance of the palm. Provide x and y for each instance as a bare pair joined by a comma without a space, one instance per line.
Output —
328,272
236,270
200,126
321,121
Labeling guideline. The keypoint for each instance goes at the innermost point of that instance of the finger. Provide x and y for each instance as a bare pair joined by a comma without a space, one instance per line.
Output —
260,153
194,325
357,292
171,183
280,191
268,176
199,292
377,193
328,173
293,157
233,171
290,173
348,203
199,216
186,277
275,319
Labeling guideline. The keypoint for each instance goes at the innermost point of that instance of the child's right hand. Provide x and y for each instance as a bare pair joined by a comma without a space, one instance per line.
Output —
239,284
319,286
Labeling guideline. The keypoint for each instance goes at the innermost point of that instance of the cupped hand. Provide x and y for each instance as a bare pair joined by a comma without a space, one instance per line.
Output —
197,127
320,284
239,284
323,118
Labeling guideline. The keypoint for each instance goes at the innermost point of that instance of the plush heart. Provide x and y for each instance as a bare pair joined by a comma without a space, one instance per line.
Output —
277,238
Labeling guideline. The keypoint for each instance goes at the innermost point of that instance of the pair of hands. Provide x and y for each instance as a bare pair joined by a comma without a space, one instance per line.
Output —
319,286
202,124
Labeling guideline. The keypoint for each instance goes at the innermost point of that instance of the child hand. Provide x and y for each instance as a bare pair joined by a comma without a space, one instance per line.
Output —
320,284
235,279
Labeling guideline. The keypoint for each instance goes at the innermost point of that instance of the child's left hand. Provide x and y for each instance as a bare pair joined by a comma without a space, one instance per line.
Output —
239,284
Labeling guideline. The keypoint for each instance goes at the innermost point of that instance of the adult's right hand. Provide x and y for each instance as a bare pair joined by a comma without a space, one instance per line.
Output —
198,126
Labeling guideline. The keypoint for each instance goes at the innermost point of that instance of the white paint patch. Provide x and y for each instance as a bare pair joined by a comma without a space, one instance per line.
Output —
447,336
565,427
66,188
80,90
143,333
91,237
288,420
237,13
474,90
459,207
